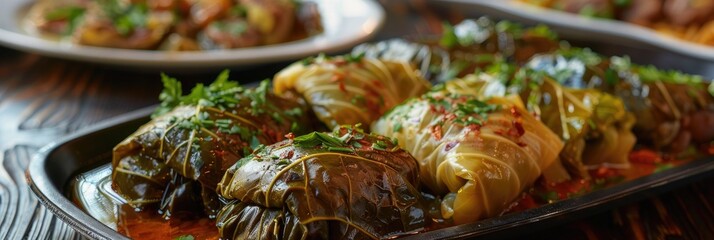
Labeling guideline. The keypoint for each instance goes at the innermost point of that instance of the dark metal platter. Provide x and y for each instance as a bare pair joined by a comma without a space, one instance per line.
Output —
56,165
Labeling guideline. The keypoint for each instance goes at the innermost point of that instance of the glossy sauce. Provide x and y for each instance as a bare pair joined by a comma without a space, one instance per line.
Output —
149,224
643,162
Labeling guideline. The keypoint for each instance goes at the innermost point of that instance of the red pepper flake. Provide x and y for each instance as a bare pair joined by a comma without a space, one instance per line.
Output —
474,127
604,172
515,112
450,146
339,78
219,153
436,132
287,155
645,156
290,136
518,125
522,144
450,117
377,83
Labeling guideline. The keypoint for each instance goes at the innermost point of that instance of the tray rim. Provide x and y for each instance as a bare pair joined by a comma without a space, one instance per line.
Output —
574,208
54,199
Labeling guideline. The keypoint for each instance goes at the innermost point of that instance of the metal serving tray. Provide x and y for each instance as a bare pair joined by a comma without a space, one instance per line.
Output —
56,165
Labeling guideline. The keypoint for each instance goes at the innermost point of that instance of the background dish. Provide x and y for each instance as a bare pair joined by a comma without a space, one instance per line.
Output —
345,24
51,172
577,27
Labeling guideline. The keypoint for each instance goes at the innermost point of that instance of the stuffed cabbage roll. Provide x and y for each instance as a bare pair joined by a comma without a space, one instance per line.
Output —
673,109
594,125
350,89
197,137
480,155
465,47
341,185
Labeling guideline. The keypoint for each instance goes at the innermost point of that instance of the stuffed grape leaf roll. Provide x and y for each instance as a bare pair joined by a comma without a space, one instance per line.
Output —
197,137
350,89
345,184
481,155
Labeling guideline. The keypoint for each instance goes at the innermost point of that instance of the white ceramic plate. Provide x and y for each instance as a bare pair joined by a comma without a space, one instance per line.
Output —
587,28
345,22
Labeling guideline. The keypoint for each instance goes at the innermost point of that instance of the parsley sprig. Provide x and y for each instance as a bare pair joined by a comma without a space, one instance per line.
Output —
125,18
220,94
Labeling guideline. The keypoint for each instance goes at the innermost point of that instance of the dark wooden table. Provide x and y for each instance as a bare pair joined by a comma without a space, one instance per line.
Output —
43,99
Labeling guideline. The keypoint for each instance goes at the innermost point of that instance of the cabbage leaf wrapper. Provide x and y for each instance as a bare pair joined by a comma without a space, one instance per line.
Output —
673,109
472,44
179,157
340,185
348,90
480,156
594,125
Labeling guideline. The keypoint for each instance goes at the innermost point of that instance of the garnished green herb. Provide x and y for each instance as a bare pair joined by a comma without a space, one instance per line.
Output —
378,147
185,237
295,112
512,28
381,144
233,28
282,163
448,37
465,111
586,55
72,14
543,30
220,94
397,126
611,76
64,13
352,58
254,142
317,138
259,97
340,149
238,10
125,18
294,127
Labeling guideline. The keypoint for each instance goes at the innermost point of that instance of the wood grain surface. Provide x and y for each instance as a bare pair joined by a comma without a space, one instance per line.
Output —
43,99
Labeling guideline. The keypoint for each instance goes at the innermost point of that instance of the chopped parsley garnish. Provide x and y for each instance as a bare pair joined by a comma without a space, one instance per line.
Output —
125,18
448,37
397,126
220,94
317,138
378,147
340,149
233,28
352,58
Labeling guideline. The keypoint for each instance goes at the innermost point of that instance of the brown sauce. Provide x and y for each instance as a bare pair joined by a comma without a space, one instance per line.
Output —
149,224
